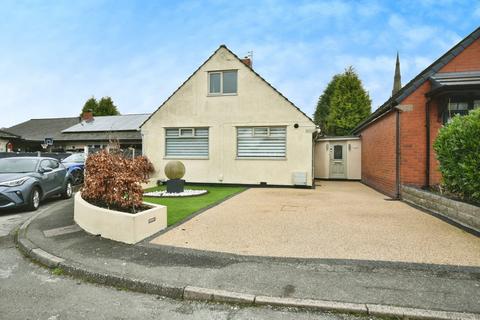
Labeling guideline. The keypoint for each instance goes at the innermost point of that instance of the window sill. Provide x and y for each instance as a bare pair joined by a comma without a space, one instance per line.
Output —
221,94
260,158
185,158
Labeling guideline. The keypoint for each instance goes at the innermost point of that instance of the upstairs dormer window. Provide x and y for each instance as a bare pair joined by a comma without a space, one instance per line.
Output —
222,82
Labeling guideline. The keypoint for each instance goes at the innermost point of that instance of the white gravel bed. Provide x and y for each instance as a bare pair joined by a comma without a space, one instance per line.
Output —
185,193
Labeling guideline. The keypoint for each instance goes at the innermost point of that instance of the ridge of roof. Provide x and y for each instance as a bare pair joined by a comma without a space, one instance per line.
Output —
124,115
205,62
59,118
116,115
419,80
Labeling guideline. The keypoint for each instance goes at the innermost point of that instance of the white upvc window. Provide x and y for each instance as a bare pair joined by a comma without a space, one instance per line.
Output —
222,82
261,142
261,132
186,132
186,143
476,104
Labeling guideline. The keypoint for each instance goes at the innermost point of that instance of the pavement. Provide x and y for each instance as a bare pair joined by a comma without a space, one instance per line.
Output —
375,288
337,220
30,291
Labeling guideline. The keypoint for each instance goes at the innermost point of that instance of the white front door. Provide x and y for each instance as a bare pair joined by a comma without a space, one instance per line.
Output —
338,161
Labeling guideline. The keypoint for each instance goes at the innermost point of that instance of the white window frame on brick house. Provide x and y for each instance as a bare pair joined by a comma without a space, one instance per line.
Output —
262,142
221,91
179,145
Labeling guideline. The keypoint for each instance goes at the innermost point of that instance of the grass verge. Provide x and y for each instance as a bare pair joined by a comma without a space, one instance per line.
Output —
182,207
58,271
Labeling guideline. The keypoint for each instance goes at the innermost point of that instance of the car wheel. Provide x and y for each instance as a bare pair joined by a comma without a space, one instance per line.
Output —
77,176
68,191
34,201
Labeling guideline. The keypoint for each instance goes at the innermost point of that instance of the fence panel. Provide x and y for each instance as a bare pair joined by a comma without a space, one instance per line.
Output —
56,155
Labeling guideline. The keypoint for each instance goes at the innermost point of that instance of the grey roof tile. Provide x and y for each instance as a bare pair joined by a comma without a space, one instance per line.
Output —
438,66
7,135
56,128
475,34
417,83
39,129
448,57
456,51
467,42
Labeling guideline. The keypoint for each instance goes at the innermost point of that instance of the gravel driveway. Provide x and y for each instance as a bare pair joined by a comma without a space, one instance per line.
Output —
338,220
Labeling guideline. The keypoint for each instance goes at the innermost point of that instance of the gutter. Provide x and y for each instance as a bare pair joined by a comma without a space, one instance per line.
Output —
397,155
315,136
427,142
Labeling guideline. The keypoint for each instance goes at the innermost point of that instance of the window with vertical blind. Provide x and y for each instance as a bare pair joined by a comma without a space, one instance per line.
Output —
261,142
186,142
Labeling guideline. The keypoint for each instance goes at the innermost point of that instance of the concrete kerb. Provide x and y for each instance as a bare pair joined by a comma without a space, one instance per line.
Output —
215,295
20,236
138,285
221,296
414,313
312,304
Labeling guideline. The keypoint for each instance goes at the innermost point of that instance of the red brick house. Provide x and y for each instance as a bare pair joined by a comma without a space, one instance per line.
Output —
397,138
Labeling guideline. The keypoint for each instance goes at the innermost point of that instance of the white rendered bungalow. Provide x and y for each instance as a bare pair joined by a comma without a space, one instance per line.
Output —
228,125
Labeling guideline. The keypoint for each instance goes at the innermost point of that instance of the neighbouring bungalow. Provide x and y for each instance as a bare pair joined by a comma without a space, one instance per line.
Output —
73,134
7,140
229,125
397,139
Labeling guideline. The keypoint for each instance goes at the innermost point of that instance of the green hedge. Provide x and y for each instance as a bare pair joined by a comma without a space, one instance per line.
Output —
458,151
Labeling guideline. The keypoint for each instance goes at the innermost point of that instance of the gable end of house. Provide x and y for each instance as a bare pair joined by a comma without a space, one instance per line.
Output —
248,66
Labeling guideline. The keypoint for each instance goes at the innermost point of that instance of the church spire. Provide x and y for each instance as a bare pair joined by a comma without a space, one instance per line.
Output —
397,80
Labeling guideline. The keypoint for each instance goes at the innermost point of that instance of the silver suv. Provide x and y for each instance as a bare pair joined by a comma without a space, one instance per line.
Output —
26,181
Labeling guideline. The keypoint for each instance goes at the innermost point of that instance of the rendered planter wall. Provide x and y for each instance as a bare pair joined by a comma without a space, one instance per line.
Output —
460,212
119,226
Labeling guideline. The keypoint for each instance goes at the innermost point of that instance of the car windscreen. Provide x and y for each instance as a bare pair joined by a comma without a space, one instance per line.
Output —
16,165
76,157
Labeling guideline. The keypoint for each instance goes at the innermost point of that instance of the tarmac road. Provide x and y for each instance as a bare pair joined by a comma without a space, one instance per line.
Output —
28,291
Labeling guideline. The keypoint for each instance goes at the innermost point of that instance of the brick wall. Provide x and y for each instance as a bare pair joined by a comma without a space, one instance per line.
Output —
378,154
412,138
468,60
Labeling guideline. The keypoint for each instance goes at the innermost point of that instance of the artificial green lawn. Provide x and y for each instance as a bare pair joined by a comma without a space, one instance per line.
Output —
182,207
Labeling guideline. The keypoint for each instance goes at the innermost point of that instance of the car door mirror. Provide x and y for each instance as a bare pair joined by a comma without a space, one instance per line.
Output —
45,170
